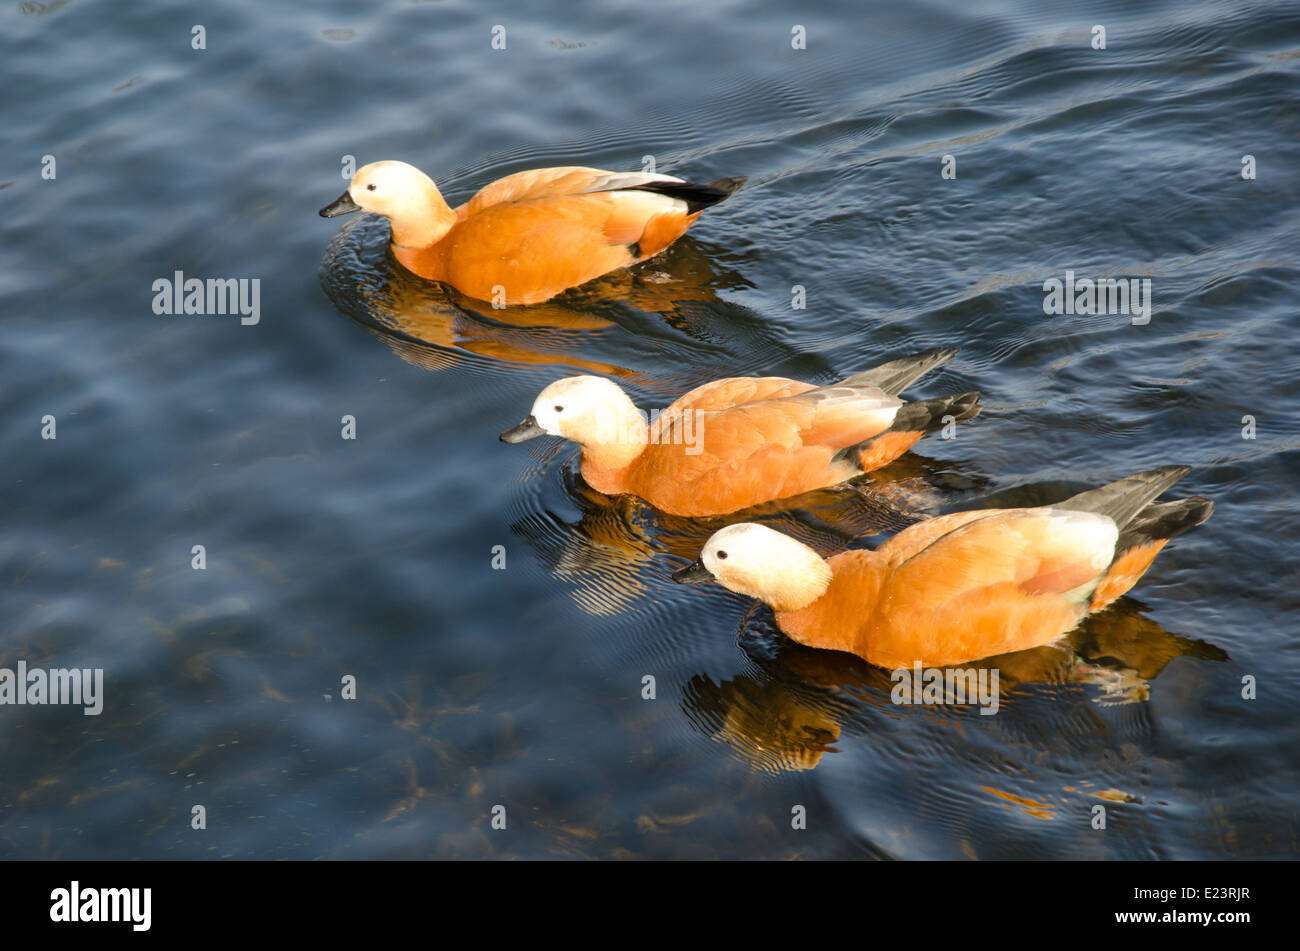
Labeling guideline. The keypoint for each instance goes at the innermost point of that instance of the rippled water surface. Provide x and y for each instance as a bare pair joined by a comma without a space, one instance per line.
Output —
523,687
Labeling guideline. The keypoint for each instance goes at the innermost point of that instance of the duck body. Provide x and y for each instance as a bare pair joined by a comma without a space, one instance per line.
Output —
527,237
741,441
964,586
998,583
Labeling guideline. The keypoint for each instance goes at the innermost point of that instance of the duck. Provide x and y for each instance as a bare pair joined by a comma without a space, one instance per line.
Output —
741,441
527,237
962,586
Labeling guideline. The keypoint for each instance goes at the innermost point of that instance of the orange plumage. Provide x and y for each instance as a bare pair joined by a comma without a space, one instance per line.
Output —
741,441
959,587
527,237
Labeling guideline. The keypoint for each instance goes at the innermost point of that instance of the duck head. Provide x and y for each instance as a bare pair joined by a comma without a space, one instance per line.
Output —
589,410
754,560
404,195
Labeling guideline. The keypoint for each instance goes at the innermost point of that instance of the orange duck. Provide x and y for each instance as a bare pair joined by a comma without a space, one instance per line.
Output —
741,441
958,587
528,236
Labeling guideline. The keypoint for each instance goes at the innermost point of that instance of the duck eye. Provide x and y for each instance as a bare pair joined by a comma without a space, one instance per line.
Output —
722,556
559,409
370,187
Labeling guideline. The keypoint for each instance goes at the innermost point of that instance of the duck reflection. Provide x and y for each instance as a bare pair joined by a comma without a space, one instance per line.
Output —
612,554
792,706
433,326
792,703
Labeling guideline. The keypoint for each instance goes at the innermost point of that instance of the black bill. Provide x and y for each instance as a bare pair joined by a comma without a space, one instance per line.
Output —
340,206
526,430
693,573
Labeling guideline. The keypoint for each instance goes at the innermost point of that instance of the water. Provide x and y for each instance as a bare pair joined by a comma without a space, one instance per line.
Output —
372,557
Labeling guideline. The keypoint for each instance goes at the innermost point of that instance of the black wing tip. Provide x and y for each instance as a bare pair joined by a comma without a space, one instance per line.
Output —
966,403
964,408
697,196
928,415
1202,508
1161,521
925,416
729,186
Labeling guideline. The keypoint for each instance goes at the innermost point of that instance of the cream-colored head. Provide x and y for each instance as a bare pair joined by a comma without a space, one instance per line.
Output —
590,410
404,195
754,560
389,188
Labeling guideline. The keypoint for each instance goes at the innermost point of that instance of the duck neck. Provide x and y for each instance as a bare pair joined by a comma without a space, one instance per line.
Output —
833,620
617,439
802,582
424,221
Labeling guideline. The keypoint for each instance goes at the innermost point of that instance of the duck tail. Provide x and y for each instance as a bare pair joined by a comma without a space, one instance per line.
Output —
925,416
1124,498
911,422
1141,540
897,375
697,196
1145,526
1161,521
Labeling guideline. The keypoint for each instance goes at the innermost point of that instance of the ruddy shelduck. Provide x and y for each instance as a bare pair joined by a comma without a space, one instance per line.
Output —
528,236
959,587
741,441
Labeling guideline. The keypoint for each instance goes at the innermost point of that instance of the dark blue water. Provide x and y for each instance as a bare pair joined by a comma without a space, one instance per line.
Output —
522,687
